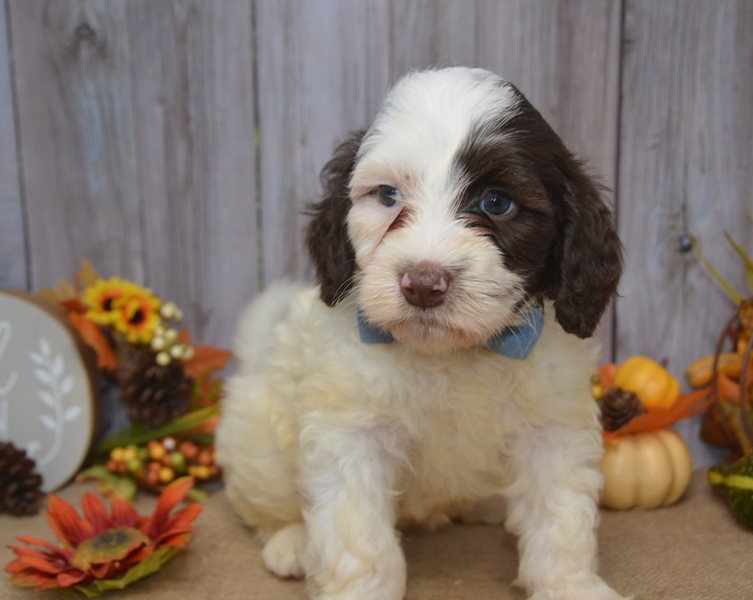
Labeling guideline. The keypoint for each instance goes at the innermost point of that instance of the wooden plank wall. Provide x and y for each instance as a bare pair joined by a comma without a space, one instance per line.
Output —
176,142
13,255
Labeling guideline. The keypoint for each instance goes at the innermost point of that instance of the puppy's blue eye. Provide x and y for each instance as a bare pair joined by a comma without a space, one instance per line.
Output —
495,204
388,195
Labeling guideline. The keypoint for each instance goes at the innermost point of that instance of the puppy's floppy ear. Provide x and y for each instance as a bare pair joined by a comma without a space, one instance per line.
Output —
590,258
327,233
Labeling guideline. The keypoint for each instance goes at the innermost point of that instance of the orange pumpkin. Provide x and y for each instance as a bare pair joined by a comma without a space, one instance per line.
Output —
653,384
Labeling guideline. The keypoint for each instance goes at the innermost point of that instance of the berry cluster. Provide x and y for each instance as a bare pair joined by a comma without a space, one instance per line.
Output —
161,461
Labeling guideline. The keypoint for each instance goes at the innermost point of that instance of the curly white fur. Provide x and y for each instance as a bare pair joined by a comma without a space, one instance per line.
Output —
329,444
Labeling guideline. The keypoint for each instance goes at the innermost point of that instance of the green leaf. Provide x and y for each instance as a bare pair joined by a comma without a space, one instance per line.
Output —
197,495
139,435
725,285
150,565
118,485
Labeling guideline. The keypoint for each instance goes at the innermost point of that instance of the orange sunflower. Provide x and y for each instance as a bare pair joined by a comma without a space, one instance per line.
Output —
138,317
104,297
104,551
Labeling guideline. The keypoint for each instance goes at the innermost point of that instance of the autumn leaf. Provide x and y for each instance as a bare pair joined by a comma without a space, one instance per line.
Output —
688,405
74,305
205,360
93,336
86,275
60,293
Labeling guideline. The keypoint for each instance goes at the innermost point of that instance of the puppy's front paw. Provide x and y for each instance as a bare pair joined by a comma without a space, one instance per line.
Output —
592,588
283,553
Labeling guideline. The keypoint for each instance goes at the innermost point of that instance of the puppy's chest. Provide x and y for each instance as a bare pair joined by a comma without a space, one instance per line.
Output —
458,446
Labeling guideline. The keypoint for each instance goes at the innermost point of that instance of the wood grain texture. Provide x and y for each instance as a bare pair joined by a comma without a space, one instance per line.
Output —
138,139
193,106
564,56
76,126
431,33
686,147
13,260
323,67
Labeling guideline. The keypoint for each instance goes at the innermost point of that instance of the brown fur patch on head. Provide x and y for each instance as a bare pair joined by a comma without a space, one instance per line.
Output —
562,239
327,233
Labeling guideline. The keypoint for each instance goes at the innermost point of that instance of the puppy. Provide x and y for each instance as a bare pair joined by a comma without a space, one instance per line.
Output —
462,256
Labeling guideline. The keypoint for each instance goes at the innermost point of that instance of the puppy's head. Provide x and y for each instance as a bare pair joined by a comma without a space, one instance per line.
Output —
457,210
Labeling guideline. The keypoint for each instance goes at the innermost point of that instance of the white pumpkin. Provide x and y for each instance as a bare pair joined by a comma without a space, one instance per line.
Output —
645,470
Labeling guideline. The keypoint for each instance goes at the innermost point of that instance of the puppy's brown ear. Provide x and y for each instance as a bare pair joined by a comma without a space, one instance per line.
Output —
327,233
590,253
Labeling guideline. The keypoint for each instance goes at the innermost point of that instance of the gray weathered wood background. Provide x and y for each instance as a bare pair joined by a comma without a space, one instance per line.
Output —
175,141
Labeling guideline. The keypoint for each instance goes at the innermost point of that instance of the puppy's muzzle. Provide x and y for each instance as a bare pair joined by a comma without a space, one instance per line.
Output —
425,285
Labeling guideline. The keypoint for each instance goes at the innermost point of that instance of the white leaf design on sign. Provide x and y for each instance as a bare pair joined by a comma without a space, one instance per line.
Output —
67,385
48,422
57,366
37,358
71,412
32,448
46,398
44,346
43,376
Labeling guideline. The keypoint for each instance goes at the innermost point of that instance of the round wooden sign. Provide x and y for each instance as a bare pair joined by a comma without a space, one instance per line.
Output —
47,390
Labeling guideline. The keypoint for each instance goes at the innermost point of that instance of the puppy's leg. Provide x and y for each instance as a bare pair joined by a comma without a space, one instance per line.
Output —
552,504
347,480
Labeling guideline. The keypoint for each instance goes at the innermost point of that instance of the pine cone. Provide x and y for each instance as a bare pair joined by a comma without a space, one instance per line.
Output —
20,484
618,407
155,394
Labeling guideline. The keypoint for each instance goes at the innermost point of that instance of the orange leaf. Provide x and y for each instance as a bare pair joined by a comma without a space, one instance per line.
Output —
687,405
606,375
205,360
74,305
92,336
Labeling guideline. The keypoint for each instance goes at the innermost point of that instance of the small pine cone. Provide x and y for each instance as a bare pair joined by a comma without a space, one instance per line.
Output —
618,407
20,484
155,394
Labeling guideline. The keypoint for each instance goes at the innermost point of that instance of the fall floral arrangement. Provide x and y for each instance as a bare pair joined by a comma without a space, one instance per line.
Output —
645,464
168,384
171,390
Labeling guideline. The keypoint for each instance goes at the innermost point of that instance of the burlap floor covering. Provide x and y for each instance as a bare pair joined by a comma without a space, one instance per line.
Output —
694,550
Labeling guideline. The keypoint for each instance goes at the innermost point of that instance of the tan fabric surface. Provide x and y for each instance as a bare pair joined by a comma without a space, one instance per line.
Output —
694,550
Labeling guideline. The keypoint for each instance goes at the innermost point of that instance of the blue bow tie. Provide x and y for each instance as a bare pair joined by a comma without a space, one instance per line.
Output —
514,342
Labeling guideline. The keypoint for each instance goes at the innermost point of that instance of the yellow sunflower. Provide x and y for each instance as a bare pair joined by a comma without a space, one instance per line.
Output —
104,299
138,317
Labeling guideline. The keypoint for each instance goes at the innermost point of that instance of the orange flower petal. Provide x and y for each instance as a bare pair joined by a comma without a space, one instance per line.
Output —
65,523
71,577
95,512
123,514
39,561
106,570
27,539
176,541
184,518
15,566
172,495
36,580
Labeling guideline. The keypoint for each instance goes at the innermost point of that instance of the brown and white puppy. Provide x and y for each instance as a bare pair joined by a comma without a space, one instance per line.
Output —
462,256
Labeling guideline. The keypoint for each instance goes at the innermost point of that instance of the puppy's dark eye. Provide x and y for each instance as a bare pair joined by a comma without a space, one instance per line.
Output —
494,203
388,195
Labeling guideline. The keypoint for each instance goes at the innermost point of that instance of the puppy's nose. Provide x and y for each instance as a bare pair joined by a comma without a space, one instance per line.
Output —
425,285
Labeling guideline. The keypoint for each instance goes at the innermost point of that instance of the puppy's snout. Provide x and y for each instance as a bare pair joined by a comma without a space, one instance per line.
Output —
425,285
